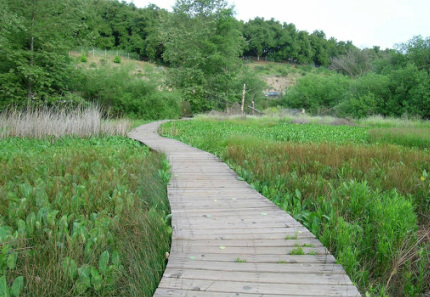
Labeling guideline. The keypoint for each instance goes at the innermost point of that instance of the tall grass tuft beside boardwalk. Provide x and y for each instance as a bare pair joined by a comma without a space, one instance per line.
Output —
367,200
43,122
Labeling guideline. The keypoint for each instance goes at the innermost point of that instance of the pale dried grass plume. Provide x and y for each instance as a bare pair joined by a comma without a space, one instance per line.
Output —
44,122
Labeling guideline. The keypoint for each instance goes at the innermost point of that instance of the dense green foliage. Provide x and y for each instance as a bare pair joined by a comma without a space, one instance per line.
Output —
283,42
202,43
38,71
273,130
368,203
200,40
34,60
81,217
389,84
126,94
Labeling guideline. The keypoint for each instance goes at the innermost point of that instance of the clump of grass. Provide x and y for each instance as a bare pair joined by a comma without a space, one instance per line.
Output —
82,217
297,251
239,260
44,122
291,237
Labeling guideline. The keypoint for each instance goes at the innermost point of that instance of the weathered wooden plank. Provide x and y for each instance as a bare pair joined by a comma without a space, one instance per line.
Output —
254,258
228,240
302,267
234,225
188,293
235,236
225,248
258,277
181,222
243,212
282,232
260,243
258,288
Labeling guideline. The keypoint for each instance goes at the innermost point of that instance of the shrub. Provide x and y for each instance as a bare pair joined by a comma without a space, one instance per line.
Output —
316,93
124,94
117,59
357,107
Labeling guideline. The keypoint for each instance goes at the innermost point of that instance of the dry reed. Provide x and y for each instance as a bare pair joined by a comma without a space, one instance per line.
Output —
43,122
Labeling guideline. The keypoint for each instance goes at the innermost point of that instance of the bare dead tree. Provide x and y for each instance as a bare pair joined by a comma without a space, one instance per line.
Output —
354,63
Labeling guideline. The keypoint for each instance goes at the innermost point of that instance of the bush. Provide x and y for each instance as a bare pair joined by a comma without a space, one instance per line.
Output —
405,90
316,93
357,107
127,95
117,59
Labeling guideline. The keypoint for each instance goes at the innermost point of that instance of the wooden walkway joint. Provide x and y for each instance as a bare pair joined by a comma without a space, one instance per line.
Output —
229,240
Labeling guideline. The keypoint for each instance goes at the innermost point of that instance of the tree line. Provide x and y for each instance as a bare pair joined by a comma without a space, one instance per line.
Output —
110,24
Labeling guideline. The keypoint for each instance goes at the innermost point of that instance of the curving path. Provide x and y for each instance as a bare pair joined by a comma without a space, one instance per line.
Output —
229,240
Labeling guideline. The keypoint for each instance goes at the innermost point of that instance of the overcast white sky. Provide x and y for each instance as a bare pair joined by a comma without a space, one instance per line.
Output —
366,22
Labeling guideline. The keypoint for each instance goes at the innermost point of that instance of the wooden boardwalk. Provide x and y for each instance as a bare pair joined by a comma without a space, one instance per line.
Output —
229,240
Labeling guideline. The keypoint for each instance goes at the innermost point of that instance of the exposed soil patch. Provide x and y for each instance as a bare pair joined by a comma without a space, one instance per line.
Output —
279,83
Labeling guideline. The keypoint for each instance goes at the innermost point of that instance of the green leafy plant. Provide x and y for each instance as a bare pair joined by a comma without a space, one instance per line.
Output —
83,235
83,58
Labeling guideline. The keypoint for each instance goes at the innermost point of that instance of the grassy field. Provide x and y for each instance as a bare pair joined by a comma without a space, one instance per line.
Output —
81,216
365,195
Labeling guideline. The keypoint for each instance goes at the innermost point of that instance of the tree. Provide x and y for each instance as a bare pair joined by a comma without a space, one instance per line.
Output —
203,44
417,52
305,53
10,82
260,36
354,63
148,26
34,57
318,43
288,45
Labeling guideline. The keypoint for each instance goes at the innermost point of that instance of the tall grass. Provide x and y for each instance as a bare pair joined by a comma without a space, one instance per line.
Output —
392,122
410,137
43,122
